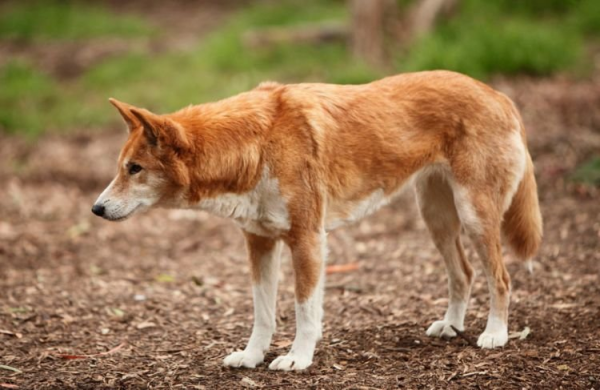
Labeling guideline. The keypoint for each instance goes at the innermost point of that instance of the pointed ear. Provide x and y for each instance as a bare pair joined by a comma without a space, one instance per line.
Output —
125,111
149,122
160,130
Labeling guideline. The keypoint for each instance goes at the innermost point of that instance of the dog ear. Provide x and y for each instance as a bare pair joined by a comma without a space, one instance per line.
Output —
125,111
149,123
161,130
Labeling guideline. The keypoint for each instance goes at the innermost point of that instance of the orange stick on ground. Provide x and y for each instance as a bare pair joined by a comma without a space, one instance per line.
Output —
338,268
69,356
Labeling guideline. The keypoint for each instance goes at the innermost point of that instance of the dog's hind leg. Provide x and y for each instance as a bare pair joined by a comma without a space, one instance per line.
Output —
264,256
481,215
436,203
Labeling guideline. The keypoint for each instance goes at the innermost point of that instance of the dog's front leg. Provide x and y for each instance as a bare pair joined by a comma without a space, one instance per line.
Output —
264,256
308,258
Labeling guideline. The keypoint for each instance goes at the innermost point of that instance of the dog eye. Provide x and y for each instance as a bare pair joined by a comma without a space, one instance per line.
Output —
134,168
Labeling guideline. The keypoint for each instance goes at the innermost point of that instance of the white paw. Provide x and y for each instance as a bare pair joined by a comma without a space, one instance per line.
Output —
290,362
244,358
442,329
491,340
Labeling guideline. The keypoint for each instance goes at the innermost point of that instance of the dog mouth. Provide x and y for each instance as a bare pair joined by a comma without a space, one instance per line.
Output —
118,219
122,217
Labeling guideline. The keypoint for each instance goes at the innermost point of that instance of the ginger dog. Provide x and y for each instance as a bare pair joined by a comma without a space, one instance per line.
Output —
290,162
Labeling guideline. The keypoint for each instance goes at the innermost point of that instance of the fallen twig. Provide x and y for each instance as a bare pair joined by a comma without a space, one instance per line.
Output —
9,333
9,368
175,350
398,349
339,268
70,356
344,287
474,373
463,336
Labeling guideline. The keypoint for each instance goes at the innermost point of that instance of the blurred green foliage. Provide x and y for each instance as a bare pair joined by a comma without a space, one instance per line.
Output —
538,37
513,47
588,172
586,17
220,66
535,7
23,90
55,19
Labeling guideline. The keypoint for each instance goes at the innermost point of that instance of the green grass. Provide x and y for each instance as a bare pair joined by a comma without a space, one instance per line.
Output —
588,172
66,20
515,46
483,39
536,8
24,92
222,65
219,67
586,17
504,37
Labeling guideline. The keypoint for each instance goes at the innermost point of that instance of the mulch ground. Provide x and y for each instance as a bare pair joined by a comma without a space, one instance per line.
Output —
158,301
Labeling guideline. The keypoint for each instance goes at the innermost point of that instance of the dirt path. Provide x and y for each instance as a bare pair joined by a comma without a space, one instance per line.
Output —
173,286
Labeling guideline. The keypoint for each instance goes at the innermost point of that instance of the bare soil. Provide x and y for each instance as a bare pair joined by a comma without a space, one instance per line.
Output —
170,289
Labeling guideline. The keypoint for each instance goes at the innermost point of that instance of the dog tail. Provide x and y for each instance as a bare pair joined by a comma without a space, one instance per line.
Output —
522,225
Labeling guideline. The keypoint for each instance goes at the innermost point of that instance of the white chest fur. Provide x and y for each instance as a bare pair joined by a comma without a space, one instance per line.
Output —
261,211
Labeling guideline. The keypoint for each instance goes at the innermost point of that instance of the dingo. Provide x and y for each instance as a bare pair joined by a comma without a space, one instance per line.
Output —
290,162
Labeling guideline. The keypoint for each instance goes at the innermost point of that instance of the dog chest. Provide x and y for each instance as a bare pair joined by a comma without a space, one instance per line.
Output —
262,211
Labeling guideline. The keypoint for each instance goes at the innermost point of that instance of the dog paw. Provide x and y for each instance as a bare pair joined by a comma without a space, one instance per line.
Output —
290,362
442,329
491,340
249,359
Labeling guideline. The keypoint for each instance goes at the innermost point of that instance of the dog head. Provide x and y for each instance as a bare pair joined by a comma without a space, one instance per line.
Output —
151,170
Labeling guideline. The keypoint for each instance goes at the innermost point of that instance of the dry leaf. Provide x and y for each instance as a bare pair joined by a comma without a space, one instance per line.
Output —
117,312
79,229
164,278
522,335
144,325
247,382
67,319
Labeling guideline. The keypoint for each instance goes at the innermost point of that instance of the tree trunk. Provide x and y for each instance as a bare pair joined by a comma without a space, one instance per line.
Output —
427,12
368,38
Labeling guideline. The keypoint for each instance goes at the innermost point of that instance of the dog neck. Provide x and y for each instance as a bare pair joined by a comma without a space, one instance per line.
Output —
227,138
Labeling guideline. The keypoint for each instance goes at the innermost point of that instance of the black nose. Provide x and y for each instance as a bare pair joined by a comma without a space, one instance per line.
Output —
98,210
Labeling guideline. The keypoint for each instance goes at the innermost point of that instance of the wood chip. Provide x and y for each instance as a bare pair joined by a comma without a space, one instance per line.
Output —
9,333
